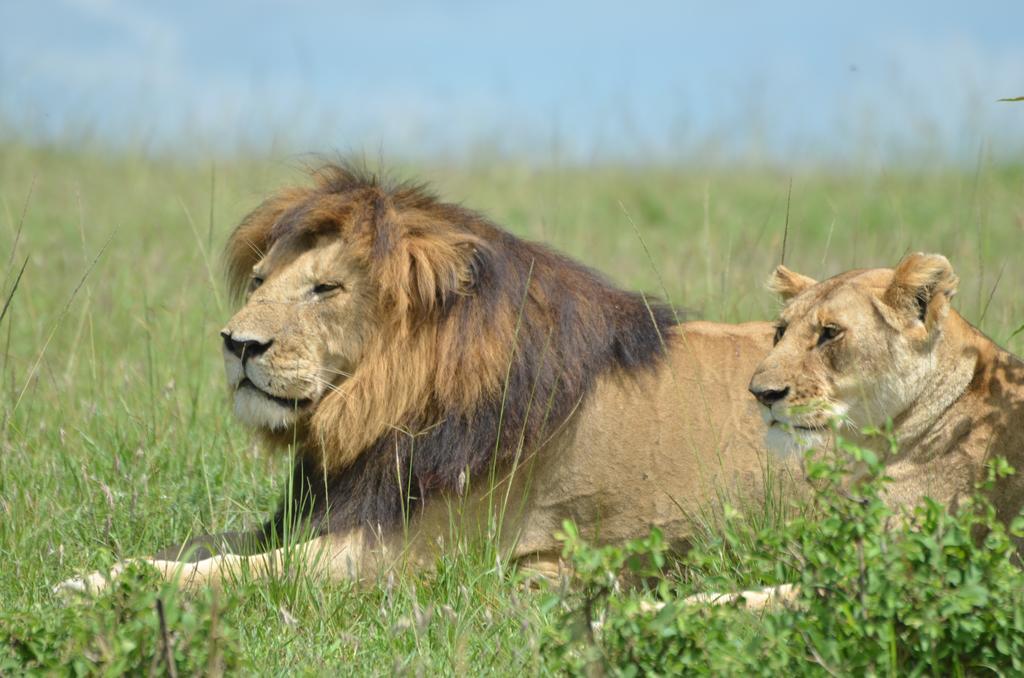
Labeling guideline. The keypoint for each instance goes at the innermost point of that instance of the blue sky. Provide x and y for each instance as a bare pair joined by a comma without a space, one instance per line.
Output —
627,79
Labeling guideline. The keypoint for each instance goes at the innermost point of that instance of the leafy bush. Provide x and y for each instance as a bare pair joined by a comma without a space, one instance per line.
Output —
926,592
142,626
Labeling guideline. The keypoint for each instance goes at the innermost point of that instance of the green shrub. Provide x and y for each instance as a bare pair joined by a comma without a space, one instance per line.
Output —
928,592
141,626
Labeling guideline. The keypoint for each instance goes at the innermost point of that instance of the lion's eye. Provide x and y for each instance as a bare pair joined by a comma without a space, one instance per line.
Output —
326,288
255,282
780,330
828,333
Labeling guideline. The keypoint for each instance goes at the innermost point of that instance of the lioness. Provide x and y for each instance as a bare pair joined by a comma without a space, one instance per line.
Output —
880,345
884,345
430,370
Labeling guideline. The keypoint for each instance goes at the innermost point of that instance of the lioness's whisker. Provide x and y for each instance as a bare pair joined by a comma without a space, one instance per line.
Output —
330,370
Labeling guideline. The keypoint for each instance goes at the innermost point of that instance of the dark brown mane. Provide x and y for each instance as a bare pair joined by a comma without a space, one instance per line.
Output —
490,344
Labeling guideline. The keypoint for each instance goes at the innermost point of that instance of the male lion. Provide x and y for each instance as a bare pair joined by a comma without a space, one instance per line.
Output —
431,370
884,345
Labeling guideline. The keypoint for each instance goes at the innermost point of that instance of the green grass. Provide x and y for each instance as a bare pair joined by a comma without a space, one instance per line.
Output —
117,437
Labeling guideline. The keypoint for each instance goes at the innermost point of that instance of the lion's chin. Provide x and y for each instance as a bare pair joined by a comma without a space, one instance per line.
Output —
255,409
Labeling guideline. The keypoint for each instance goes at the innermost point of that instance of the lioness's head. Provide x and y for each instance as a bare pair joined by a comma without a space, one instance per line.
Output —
860,345
341,284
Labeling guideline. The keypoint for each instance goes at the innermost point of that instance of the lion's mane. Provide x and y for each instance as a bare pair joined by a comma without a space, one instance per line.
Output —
484,345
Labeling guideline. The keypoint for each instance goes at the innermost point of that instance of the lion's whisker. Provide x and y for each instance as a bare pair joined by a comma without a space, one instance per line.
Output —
327,385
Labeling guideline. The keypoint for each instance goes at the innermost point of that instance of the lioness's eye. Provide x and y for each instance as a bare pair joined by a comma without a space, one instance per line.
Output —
779,331
324,288
828,333
255,282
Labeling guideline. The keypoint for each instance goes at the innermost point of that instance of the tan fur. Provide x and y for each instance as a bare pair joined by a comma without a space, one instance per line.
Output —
694,440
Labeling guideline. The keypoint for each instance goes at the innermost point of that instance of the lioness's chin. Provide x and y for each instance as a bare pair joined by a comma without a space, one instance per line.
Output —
254,409
785,440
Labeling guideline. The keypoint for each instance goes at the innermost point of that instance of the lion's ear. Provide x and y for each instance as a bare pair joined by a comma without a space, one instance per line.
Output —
787,284
253,237
921,287
432,269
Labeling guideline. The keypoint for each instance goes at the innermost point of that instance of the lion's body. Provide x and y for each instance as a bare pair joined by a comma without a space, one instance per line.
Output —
427,366
662,450
665,449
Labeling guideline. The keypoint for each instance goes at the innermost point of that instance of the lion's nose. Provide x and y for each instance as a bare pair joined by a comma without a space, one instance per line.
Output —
244,347
768,396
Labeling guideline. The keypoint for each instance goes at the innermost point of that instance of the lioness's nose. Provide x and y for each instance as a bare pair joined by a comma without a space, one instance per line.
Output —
768,396
244,347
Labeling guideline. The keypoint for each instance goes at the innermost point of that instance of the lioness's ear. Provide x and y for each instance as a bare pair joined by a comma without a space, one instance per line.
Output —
922,286
787,284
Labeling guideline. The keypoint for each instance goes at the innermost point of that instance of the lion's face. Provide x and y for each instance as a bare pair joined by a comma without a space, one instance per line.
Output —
307,315
859,346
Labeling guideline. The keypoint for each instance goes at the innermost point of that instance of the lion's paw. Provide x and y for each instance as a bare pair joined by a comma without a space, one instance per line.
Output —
91,584
86,585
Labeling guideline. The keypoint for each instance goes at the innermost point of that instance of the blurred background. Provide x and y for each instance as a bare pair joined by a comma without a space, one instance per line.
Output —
783,82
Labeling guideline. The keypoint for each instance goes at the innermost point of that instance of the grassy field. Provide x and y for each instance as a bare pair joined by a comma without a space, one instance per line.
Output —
117,438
